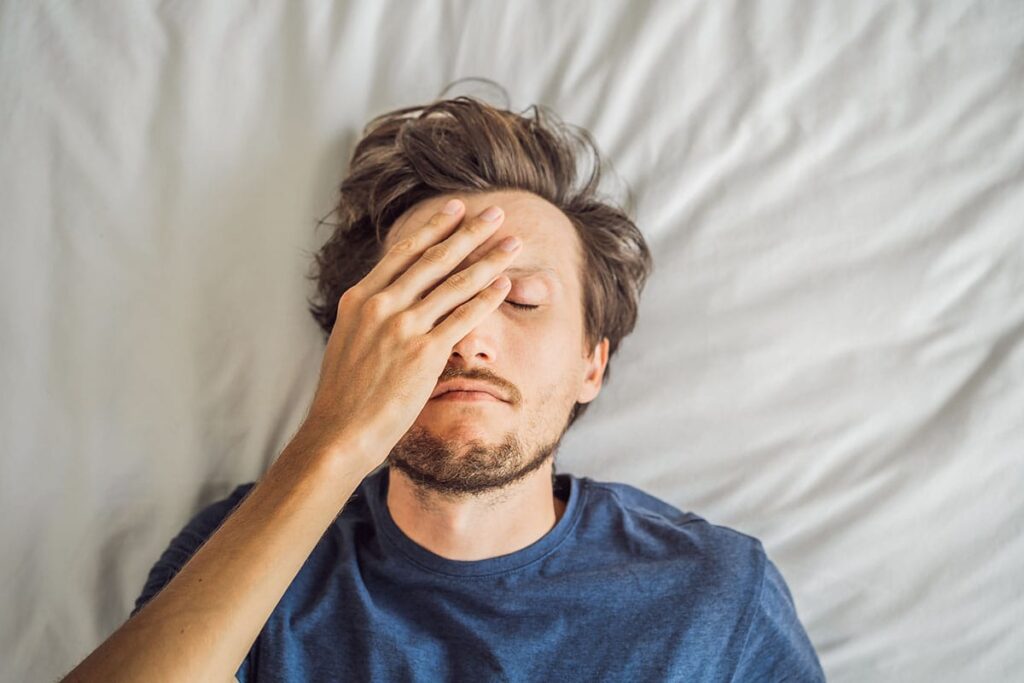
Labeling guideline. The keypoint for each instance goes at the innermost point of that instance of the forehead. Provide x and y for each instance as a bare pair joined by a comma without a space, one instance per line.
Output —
550,243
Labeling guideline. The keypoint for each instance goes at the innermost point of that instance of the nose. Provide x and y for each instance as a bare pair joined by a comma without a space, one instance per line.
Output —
477,346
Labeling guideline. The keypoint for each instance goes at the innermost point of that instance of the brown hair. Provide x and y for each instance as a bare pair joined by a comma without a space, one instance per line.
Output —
466,146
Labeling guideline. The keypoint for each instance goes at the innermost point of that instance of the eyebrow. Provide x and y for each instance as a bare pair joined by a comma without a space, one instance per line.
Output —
530,270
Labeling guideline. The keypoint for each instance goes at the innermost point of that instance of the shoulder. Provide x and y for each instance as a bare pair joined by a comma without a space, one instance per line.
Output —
732,572
777,646
720,553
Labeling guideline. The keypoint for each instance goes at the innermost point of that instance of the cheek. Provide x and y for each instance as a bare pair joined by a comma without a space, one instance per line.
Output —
547,373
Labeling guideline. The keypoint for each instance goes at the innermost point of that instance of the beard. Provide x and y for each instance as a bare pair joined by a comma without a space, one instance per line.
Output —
435,465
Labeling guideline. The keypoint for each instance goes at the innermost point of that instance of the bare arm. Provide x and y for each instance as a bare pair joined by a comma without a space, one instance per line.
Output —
382,361
203,623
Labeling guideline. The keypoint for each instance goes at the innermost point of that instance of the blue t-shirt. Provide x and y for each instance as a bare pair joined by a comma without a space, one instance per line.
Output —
625,587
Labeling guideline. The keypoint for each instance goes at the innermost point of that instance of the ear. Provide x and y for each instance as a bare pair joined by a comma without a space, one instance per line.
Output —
594,373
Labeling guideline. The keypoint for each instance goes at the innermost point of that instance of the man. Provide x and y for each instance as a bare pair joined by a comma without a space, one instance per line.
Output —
472,296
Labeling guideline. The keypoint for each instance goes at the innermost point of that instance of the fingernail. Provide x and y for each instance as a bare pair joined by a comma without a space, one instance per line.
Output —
452,207
491,213
509,243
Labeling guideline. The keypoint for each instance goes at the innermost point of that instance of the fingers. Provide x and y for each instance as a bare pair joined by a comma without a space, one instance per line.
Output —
407,251
465,284
438,260
467,316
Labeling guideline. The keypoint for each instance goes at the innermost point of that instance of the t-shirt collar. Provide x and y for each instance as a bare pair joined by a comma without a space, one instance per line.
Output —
566,487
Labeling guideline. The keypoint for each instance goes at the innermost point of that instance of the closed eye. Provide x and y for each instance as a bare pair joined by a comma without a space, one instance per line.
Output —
525,307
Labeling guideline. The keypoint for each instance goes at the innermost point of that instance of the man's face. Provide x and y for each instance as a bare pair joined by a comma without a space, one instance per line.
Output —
533,358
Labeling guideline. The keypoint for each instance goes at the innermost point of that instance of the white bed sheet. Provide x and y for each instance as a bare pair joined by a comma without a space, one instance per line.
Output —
829,354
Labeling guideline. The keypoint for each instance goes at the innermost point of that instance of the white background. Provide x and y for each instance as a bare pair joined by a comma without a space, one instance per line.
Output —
829,355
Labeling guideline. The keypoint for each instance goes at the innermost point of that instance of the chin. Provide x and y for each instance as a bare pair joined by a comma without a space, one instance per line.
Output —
462,428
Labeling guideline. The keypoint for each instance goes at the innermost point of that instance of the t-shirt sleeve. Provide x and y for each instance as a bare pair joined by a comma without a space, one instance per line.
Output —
183,546
777,647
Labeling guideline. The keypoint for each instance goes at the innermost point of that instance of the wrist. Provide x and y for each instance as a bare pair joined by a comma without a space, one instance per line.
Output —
338,450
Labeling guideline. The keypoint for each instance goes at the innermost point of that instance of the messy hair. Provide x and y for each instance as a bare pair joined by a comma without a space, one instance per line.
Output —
466,146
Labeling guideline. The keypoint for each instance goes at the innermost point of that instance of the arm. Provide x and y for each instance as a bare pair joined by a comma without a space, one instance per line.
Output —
202,624
384,355
777,646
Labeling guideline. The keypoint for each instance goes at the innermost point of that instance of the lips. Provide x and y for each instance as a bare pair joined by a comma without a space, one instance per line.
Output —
467,396
465,386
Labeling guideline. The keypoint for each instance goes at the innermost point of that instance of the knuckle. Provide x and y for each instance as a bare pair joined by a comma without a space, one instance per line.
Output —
376,305
500,257
404,246
347,298
439,253
404,323
462,313
460,281
479,228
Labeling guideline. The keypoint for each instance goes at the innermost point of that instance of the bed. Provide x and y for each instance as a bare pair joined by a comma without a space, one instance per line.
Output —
829,354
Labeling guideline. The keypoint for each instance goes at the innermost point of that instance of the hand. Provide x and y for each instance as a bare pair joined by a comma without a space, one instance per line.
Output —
389,345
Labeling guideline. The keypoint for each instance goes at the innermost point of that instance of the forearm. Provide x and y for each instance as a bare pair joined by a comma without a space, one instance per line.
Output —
205,620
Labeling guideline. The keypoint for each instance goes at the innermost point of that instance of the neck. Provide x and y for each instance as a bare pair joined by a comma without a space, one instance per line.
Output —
475,527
